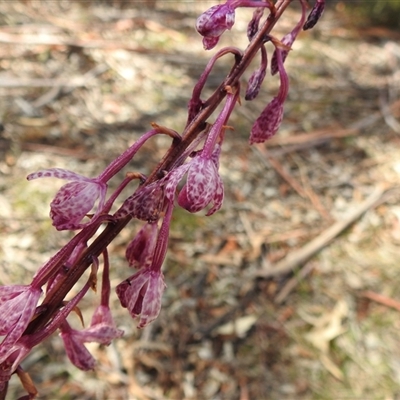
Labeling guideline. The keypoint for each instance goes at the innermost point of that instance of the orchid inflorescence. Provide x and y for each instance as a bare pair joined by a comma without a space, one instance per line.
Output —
187,177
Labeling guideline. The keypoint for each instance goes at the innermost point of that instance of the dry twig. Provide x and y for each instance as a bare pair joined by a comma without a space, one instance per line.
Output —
300,256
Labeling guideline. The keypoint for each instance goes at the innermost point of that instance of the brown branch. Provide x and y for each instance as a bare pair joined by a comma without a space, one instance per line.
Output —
381,299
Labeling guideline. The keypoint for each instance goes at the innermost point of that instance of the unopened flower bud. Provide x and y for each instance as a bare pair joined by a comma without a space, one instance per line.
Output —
140,250
145,204
268,123
141,294
257,78
315,14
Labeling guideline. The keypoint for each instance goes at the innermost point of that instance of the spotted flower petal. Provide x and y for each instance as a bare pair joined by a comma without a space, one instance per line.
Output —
75,199
141,295
102,328
145,204
268,123
76,351
214,22
203,186
17,307
220,18
315,14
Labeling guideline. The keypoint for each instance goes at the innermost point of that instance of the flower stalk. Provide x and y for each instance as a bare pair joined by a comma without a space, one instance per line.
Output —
194,153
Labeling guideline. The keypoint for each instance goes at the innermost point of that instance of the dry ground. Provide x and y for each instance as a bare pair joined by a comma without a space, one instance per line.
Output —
79,82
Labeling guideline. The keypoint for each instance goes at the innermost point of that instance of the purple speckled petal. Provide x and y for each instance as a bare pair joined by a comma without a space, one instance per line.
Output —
19,305
139,252
257,77
152,299
254,84
58,173
73,201
201,185
76,351
216,20
268,123
315,14
141,295
254,23
15,301
218,197
173,179
145,204
99,333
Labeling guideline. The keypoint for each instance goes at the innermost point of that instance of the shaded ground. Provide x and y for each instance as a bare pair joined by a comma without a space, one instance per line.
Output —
80,82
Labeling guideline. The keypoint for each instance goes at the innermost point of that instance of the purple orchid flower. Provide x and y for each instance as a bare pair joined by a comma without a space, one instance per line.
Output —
203,185
269,121
75,199
142,292
254,23
145,204
17,307
101,330
141,295
217,19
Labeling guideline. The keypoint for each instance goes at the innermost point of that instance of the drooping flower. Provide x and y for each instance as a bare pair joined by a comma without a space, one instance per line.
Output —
102,330
142,292
140,250
269,121
315,14
203,184
254,23
214,22
75,199
257,77
287,41
219,18
17,307
76,351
